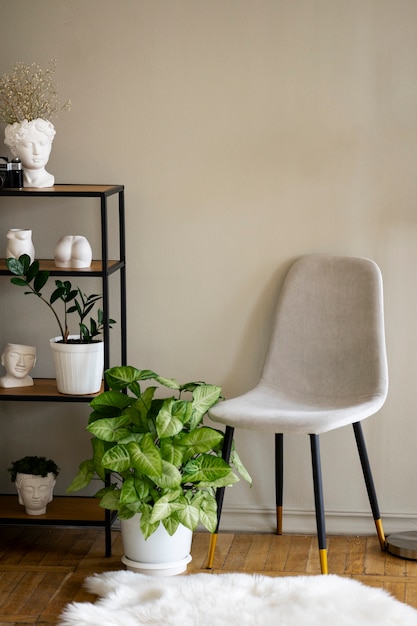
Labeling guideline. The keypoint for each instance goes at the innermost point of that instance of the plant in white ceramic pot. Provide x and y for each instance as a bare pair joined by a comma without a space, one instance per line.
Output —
28,101
87,346
34,478
164,463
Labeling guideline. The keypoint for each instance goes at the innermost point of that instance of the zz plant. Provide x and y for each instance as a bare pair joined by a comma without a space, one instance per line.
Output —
163,462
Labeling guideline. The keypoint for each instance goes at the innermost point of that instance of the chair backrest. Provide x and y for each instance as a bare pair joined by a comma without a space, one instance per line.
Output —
328,339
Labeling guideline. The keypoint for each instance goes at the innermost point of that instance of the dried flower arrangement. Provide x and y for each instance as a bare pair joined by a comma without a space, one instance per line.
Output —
29,93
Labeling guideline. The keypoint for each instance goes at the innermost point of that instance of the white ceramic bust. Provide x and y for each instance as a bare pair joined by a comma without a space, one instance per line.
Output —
73,251
19,241
31,142
18,361
35,492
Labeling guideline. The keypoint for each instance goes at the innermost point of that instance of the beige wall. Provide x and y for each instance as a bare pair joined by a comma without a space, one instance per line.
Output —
247,133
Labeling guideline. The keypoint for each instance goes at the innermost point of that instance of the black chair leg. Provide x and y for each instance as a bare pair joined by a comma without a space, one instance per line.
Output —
370,486
279,478
319,501
227,449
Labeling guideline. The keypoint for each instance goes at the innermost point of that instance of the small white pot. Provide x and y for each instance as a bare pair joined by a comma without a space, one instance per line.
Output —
78,366
159,555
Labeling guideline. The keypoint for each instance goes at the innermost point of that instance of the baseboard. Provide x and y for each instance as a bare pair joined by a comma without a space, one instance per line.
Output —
259,520
303,522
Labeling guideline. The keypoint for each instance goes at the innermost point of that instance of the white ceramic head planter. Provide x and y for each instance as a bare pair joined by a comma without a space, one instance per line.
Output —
19,241
35,492
18,361
31,142
73,251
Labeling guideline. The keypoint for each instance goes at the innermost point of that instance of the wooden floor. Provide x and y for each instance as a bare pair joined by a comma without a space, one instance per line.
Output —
42,568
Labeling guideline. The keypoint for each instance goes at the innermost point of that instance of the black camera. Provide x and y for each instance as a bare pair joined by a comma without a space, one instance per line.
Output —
11,173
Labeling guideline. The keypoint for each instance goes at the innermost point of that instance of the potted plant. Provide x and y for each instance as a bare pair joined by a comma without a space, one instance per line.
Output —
78,358
162,464
34,478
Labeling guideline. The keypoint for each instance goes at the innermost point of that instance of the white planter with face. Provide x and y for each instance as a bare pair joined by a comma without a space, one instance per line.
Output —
35,491
18,361
31,142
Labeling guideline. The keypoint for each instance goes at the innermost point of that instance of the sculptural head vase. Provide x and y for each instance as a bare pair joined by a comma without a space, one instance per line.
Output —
31,142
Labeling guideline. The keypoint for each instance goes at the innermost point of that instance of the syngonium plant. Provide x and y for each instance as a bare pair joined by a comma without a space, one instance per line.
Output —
163,462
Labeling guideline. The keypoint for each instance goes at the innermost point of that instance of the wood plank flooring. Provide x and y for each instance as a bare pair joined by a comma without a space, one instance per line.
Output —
43,568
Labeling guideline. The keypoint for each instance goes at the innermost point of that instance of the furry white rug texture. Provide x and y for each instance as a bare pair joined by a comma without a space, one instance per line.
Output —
131,599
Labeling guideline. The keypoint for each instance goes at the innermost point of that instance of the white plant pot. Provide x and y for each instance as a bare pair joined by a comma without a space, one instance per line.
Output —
78,366
160,554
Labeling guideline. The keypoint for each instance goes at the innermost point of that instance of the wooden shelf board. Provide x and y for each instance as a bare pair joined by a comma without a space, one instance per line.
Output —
43,389
96,267
61,510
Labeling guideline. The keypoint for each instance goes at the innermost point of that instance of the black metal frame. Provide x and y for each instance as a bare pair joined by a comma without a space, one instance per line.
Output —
102,192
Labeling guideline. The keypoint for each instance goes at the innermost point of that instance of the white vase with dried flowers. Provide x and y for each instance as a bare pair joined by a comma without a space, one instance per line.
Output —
28,100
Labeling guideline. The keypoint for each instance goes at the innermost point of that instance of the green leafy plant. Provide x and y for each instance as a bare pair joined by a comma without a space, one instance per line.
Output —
163,461
29,275
37,465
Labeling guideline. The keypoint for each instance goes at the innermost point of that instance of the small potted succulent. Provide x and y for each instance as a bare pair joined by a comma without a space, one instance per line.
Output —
78,358
34,478
163,464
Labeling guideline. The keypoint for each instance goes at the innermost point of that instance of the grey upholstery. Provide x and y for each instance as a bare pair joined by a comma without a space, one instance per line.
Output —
326,365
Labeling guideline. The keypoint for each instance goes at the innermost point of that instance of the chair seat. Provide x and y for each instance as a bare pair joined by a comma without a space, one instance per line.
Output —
272,410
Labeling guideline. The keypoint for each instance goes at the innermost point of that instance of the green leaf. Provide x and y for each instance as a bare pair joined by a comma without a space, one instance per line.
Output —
117,459
208,513
83,477
110,402
201,440
147,527
171,525
204,397
189,516
145,456
167,423
166,505
99,449
237,463
207,468
110,428
18,281
128,491
170,452
110,499
170,477
120,377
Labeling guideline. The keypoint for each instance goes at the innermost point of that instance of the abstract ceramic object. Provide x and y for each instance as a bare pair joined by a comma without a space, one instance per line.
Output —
19,241
73,251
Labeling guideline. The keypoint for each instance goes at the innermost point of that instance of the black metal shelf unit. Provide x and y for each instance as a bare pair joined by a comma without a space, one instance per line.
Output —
44,390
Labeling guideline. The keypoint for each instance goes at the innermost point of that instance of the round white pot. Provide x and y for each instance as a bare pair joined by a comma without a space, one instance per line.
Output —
78,366
160,554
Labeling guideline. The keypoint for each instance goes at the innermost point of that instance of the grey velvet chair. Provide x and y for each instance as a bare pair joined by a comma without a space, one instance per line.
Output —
326,367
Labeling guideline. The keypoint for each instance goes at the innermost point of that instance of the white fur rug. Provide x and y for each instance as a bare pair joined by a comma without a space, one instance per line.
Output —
130,599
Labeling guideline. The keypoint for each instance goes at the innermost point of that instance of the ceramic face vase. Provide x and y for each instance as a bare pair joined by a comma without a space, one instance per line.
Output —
19,241
35,492
31,142
18,360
